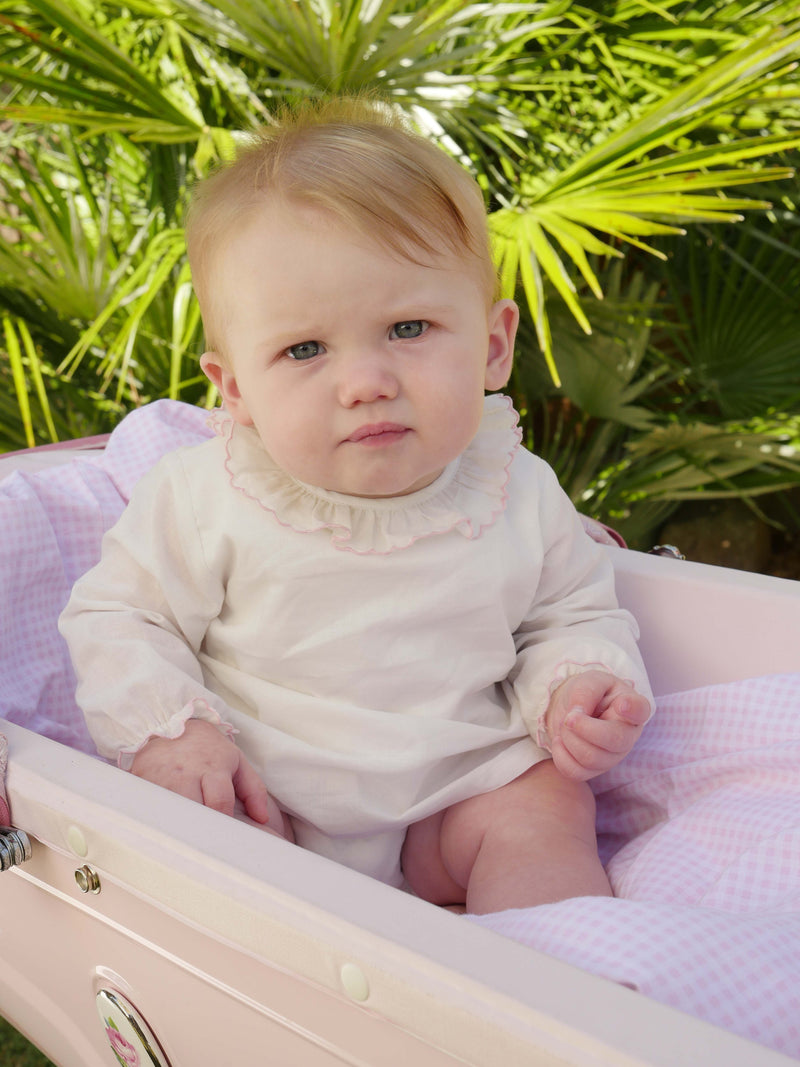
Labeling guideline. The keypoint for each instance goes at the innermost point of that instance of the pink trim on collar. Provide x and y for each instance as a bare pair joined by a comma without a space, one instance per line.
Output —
468,496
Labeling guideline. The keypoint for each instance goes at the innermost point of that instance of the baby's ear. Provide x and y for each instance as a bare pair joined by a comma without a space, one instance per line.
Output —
221,376
503,322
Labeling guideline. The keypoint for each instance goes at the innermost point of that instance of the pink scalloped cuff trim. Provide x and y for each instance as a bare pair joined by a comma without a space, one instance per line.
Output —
566,669
176,727
542,735
569,668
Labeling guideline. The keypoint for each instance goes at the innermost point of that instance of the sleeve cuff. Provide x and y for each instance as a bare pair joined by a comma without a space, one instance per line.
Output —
568,669
175,727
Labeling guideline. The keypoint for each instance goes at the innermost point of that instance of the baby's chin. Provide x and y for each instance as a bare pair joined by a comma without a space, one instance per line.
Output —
388,489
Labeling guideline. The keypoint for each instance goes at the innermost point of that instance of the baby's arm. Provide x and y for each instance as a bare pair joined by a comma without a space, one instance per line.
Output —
575,629
592,721
136,622
208,767
135,625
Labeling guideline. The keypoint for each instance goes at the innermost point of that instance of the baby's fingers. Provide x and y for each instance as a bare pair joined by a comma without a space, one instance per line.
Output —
586,747
252,792
218,792
628,707
567,764
611,735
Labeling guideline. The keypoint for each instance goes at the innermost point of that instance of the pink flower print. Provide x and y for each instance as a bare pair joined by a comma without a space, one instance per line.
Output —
122,1048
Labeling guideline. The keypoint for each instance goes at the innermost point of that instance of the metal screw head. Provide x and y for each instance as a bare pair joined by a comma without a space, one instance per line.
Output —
15,847
87,879
666,550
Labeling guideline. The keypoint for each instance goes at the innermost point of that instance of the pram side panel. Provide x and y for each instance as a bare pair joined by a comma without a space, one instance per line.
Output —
208,933
703,625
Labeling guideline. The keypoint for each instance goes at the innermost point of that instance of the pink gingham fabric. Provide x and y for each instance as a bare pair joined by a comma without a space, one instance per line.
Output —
699,827
52,524
5,815
700,832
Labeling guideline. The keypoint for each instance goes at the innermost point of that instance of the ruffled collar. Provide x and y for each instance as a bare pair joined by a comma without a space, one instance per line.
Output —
467,496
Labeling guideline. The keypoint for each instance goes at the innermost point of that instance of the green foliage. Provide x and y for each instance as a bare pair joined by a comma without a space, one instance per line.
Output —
15,1050
734,329
619,145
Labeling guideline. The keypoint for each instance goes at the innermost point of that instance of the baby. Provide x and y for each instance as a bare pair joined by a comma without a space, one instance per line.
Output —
363,576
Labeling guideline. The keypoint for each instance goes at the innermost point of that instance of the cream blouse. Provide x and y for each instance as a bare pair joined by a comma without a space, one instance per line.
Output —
379,659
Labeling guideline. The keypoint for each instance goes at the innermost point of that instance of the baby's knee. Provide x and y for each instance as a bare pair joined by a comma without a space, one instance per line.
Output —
539,798
544,789
424,867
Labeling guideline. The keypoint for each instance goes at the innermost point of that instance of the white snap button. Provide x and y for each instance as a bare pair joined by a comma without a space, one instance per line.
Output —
355,982
77,841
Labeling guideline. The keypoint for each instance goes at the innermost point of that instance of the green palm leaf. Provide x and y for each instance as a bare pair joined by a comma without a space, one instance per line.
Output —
24,364
87,52
616,190
734,328
136,294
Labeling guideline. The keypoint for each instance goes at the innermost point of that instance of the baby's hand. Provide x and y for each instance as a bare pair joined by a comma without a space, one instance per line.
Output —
206,766
593,720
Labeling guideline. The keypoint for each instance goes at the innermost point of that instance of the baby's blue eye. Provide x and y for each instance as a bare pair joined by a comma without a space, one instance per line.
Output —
404,331
305,350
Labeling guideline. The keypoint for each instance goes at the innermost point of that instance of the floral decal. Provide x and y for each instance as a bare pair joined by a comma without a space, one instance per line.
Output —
120,1046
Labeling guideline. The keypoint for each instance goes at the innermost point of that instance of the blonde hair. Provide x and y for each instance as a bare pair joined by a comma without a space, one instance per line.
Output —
355,160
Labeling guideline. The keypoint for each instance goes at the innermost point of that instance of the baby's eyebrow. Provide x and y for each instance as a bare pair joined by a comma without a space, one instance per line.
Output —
281,336
421,310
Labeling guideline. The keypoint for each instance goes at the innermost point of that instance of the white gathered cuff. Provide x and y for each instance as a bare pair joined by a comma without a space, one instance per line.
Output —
175,727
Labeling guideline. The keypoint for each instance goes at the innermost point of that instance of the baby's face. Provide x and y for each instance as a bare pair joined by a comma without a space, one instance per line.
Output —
362,373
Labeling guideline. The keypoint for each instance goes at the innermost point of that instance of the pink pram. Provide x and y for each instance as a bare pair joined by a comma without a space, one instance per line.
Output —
144,929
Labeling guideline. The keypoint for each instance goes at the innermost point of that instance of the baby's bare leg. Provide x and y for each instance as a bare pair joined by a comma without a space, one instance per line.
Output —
530,842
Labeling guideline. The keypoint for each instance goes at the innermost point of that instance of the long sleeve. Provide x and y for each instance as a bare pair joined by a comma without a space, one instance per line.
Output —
574,622
135,623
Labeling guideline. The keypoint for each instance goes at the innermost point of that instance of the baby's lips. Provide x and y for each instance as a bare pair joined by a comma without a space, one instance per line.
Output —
375,430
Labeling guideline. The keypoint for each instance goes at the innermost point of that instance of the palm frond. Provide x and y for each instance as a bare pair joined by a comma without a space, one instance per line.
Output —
616,188
734,330
135,293
90,55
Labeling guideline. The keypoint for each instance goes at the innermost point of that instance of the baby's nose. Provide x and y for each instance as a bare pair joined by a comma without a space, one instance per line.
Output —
366,377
